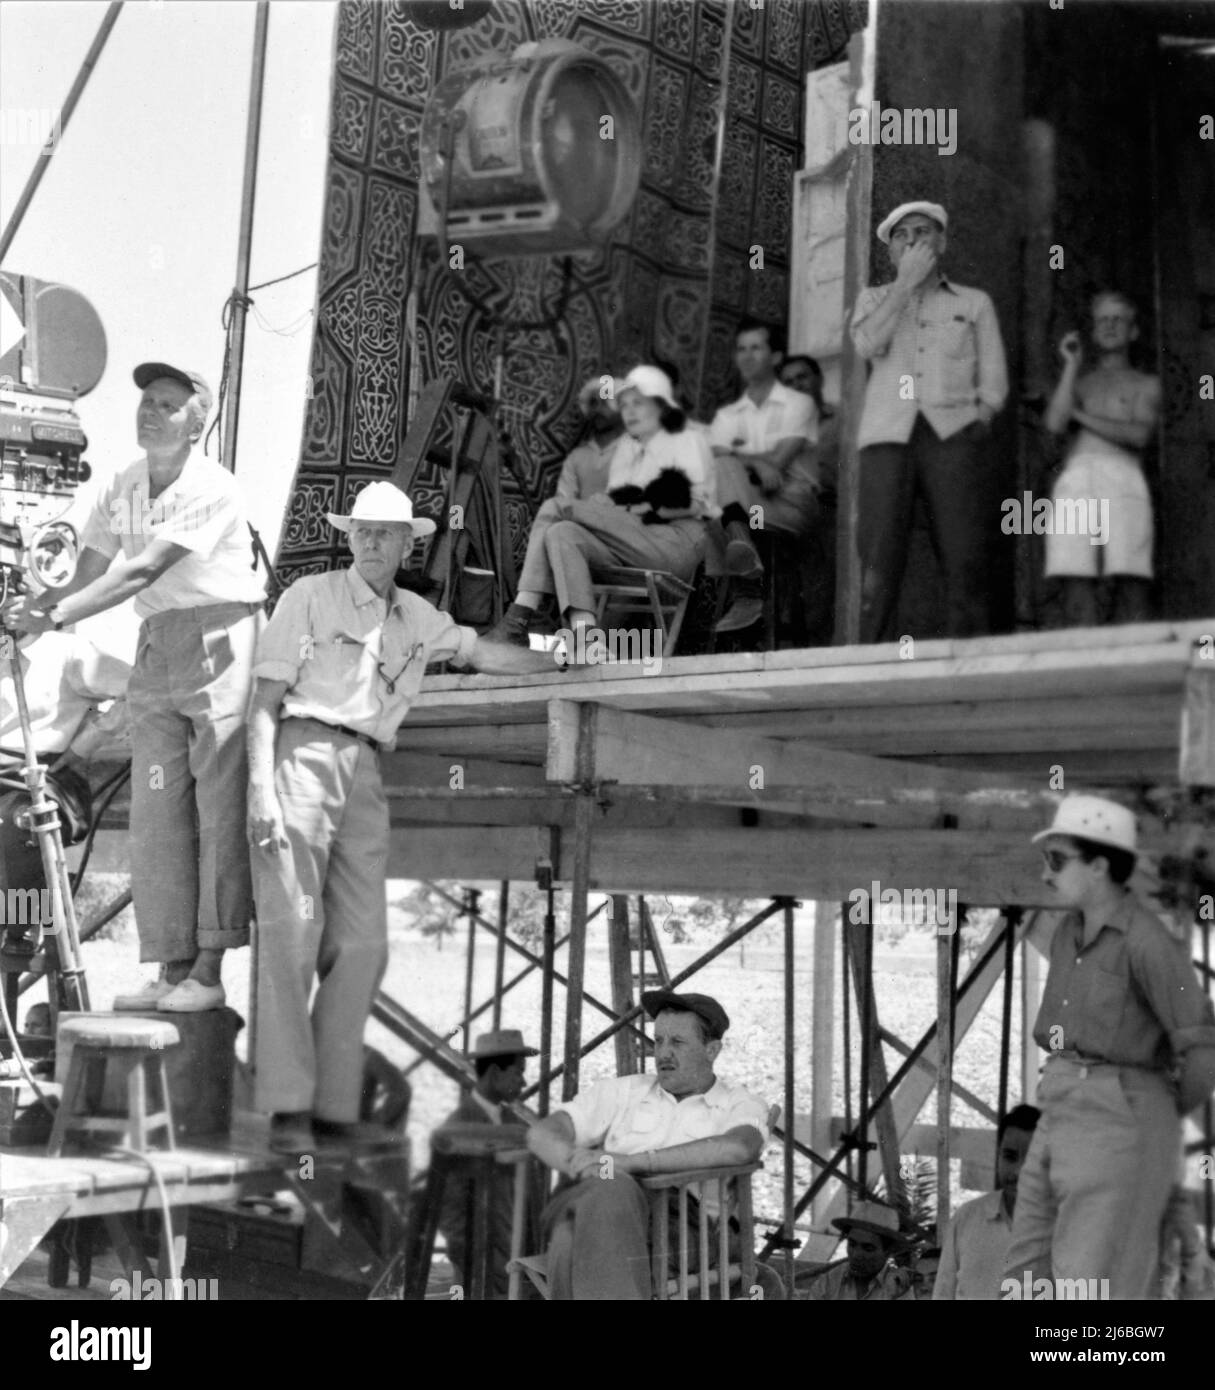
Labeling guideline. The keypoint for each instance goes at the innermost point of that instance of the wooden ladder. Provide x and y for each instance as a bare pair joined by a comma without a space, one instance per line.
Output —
473,519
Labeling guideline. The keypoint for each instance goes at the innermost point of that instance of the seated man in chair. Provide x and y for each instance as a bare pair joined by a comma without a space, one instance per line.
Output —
680,1116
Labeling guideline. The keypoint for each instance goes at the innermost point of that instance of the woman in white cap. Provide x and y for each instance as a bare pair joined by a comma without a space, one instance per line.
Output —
659,495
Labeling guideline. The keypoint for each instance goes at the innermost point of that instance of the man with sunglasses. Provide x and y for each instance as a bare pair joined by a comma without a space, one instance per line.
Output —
337,669
1130,1039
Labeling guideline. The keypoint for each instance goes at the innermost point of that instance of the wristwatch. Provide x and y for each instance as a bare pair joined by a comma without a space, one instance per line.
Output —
53,614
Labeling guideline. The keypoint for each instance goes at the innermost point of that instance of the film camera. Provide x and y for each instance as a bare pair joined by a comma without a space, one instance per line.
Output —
52,351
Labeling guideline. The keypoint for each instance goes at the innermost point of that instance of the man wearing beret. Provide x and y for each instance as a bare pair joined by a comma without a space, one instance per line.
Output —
1129,1034
867,1276
178,520
679,1116
937,379
337,669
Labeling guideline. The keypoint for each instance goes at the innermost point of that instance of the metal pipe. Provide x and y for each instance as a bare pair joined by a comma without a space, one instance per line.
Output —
844,974
790,1098
945,1003
472,898
244,245
865,1004
1012,917
43,162
500,955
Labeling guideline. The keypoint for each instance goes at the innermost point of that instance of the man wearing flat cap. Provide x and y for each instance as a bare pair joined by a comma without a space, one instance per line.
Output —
500,1062
866,1276
1129,1034
937,378
337,669
679,1116
179,521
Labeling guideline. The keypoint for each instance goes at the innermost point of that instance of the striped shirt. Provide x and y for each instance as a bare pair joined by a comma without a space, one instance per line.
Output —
943,359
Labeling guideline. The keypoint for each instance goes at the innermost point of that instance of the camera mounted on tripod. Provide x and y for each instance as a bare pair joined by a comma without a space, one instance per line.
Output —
52,351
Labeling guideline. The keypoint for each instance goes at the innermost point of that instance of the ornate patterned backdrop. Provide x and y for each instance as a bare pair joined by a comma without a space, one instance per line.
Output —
672,283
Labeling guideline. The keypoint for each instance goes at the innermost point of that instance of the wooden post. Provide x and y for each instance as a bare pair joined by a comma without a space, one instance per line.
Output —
1031,996
500,954
622,982
584,811
883,1117
1197,768
790,1098
862,58
472,898
946,955
822,1039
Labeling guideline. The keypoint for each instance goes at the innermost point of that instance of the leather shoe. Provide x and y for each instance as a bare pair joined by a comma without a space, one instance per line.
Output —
742,613
354,1134
291,1132
143,999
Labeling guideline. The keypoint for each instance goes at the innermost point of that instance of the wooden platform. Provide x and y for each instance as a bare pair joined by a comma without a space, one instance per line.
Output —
36,1191
809,771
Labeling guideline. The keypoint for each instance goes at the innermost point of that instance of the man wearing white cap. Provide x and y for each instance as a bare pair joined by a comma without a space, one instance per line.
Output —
1130,1038
937,379
337,669
179,521
866,1276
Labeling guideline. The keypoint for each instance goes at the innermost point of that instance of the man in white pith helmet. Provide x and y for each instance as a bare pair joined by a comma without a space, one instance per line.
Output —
1130,1038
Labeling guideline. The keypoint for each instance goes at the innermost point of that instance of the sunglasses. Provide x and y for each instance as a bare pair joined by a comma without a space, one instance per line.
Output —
1056,859
391,681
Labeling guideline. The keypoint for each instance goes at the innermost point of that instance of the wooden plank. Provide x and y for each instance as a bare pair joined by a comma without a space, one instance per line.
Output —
1197,763
983,869
634,749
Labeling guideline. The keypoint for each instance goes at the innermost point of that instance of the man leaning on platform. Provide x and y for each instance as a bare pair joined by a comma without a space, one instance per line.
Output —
680,1116
337,669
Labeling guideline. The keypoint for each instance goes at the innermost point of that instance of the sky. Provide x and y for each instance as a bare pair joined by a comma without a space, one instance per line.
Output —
140,209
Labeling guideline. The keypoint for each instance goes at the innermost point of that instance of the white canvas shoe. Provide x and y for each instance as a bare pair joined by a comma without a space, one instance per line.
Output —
147,998
191,997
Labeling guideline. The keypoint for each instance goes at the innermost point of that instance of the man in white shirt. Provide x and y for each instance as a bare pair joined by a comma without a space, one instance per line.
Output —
937,380
976,1243
680,1116
180,524
766,473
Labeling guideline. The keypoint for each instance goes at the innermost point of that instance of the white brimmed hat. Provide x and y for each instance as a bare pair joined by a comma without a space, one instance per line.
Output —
382,502
892,219
1093,818
650,381
874,1217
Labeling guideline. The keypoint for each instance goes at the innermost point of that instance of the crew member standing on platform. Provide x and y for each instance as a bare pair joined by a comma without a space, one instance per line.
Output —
1130,1035
936,382
180,524
339,665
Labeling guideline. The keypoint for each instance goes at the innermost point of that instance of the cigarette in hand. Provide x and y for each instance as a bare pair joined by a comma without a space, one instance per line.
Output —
261,844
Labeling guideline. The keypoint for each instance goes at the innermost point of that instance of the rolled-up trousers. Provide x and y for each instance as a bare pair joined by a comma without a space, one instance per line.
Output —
957,485
188,698
1092,1192
321,913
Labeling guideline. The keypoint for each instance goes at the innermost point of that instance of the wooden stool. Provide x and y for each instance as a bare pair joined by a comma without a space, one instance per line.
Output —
136,1047
654,593
464,1150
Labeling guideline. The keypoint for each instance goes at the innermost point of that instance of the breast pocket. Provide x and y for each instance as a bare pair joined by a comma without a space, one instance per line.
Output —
1104,1002
956,337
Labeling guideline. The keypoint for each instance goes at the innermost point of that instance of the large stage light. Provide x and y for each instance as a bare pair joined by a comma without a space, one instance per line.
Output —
538,153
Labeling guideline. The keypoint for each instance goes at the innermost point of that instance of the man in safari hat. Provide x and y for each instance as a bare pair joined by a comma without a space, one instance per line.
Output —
1130,1041
867,1276
337,669
500,1061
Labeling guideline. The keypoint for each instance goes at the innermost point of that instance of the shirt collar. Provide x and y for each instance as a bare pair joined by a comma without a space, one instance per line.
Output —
362,593
778,395
717,1097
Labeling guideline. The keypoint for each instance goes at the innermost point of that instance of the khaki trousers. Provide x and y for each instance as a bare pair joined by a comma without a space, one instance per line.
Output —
321,912
188,697
1091,1195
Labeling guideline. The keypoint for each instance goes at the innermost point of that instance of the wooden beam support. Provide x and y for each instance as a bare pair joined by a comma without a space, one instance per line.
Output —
1197,767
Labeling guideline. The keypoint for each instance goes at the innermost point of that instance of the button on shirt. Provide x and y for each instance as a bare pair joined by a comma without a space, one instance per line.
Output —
944,359
1130,997
973,1254
202,511
338,644
746,428
633,1114
637,465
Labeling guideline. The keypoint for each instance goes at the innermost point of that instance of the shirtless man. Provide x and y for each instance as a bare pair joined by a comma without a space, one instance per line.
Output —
1116,407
